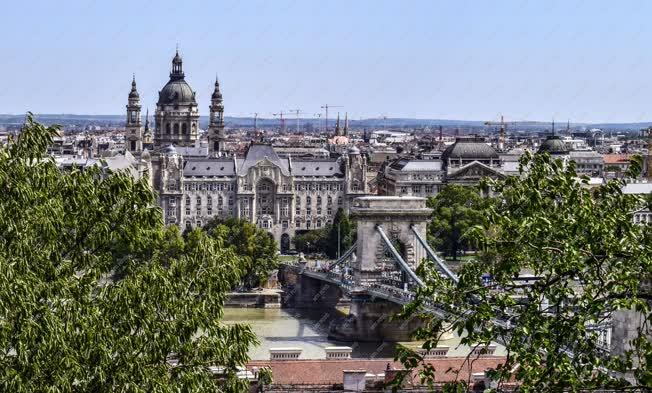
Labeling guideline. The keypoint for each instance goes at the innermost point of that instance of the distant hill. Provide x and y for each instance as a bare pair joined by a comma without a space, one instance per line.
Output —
118,120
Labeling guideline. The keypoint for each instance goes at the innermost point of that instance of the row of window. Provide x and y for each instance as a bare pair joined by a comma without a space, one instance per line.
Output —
208,187
318,187
418,189
417,176
174,128
209,201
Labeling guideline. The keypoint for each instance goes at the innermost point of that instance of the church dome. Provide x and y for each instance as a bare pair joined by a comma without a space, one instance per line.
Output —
469,148
176,92
553,145
133,94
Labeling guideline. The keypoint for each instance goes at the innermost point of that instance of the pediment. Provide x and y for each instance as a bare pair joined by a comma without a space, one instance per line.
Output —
476,170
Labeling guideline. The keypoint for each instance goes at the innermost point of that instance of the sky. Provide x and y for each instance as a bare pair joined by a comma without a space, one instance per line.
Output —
583,61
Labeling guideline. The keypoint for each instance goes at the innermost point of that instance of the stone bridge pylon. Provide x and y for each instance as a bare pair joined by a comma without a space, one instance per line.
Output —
377,274
387,218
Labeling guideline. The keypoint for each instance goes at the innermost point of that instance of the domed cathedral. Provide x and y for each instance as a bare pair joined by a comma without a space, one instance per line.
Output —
177,115
196,183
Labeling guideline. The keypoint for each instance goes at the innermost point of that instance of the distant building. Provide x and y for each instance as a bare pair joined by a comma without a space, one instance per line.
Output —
464,162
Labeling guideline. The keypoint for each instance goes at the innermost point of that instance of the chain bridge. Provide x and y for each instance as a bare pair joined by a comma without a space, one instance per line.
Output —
377,273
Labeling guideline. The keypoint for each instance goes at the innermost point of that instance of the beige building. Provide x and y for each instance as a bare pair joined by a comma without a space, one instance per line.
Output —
197,183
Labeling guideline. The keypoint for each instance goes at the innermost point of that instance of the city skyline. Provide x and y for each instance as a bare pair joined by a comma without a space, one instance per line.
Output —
576,61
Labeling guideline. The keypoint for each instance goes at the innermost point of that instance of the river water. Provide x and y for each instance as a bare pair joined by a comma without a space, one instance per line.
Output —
303,328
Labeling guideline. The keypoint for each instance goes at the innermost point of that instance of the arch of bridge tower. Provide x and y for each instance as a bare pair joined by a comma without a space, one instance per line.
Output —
397,216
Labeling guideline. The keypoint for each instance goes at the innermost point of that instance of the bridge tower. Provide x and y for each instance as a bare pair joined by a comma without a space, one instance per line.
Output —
381,218
388,250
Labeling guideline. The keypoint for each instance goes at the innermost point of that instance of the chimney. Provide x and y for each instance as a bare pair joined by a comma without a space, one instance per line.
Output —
433,353
354,380
284,353
338,352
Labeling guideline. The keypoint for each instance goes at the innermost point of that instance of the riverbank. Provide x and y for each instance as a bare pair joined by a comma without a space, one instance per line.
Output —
265,298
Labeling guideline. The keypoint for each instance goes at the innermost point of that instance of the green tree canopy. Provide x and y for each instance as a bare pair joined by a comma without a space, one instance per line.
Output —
255,246
341,232
592,263
96,295
312,242
456,209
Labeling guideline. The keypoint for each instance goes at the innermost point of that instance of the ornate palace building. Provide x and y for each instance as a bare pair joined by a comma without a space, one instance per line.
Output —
464,162
198,180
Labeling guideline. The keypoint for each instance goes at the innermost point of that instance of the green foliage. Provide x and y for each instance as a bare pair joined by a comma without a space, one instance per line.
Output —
592,261
96,295
312,242
255,246
346,236
456,210
325,240
265,378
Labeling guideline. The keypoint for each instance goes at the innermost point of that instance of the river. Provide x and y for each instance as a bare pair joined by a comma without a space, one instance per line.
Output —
303,328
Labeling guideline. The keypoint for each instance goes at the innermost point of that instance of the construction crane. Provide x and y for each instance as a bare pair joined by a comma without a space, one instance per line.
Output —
326,106
297,112
255,121
280,115
503,128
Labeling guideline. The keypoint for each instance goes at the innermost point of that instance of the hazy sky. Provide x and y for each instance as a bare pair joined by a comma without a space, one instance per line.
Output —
579,60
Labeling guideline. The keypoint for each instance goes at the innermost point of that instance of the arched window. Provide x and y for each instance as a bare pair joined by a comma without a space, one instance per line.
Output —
176,128
220,200
318,223
187,200
308,201
329,201
356,186
198,202
209,201
184,128
318,200
167,130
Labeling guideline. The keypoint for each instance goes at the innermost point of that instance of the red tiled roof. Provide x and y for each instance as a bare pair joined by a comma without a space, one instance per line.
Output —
616,158
313,372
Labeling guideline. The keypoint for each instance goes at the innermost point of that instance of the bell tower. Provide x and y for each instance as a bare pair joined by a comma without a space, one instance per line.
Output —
134,136
216,136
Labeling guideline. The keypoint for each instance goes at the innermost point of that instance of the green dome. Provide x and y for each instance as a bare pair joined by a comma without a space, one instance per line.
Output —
469,148
553,145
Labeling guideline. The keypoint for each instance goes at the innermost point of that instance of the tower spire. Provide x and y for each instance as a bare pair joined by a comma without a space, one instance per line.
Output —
346,122
553,127
177,66
337,125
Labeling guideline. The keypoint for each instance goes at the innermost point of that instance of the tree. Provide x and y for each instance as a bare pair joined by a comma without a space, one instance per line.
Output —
312,242
590,262
96,294
255,246
456,209
341,234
